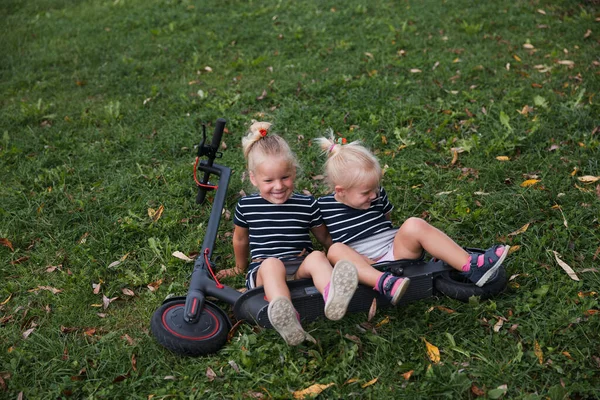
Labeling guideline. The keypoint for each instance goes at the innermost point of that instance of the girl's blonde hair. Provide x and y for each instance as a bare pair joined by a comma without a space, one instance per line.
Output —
348,164
259,144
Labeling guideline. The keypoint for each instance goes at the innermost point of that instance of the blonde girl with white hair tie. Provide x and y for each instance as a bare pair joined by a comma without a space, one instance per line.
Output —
273,225
358,216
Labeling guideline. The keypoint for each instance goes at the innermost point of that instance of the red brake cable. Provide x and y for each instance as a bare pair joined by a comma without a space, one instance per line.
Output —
219,284
196,177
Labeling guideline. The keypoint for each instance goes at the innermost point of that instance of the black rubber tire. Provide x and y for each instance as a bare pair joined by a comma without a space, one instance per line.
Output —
454,285
207,336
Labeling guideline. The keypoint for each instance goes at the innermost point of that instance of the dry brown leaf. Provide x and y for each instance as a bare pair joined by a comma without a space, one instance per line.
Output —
477,391
49,288
7,300
566,62
96,287
415,71
528,46
114,264
502,158
153,286
156,214
210,374
513,249
181,256
133,362
432,352
454,157
566,267
28,332
538,352
311,391
372,309
19,260
498,325
520,230
529,182
7,243
541,11
262,96
587,34
588,179
384,321
408,374
127,292
371,382
106,301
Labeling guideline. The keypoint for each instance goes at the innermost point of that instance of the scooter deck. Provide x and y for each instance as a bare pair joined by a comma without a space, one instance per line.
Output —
252,305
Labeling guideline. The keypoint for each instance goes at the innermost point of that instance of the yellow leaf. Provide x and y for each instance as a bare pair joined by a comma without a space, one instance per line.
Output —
351,380
538,352
156,214
454,157
383,139
502,158
566,267
408,374
384,321
589,179
312,391
516,57
372,381
513,249
529,182
7,300
520,230
432,352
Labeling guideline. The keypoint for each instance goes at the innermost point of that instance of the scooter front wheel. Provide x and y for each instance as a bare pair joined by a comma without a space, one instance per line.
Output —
204,337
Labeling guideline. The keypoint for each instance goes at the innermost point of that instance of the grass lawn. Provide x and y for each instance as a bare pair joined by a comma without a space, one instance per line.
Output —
485,114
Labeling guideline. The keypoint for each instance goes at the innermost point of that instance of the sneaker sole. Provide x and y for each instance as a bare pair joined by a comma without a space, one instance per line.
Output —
492,271
400,291
282,316
343,284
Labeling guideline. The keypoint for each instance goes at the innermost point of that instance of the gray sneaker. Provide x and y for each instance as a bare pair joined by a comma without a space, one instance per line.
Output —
284,319
343,284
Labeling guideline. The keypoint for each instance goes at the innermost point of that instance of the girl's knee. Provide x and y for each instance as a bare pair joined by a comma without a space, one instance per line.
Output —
271,265
337,249
413,226
316,256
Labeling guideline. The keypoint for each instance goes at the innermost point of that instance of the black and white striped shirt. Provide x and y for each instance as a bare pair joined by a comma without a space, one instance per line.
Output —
278,230
347,224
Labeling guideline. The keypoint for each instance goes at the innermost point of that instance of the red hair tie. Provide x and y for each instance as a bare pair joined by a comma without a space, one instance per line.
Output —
263,132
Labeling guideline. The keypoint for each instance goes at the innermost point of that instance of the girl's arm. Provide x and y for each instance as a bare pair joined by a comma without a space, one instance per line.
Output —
240,250
388,216
322,235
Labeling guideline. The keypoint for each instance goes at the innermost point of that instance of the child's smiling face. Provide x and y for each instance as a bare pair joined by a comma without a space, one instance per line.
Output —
274,179
358,196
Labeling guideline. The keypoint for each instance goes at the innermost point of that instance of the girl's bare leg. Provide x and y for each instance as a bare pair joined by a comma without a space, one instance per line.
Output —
367,275
316,266
416,234
271,275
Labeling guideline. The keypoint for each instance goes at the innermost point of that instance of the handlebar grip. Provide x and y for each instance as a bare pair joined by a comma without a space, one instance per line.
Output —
218,134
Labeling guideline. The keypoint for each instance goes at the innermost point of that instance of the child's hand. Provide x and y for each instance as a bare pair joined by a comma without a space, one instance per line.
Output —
229,272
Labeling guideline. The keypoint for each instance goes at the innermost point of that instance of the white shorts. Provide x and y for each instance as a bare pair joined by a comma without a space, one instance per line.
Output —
378,247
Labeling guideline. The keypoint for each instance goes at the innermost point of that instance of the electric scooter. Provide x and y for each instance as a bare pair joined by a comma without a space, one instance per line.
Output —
192,325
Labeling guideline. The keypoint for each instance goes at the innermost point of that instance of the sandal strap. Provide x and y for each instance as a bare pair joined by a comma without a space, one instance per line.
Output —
380,284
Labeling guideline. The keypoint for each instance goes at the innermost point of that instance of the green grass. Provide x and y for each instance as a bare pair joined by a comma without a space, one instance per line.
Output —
100,106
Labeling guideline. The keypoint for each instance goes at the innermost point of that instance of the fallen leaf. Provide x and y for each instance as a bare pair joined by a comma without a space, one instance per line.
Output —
565,62
133,362
153,286
312,391
516,57
415,71
210,374
114,264
49,288
513,249
7,300
156,214
97,287
445,193
541,11
502,158
181,256
587,34
384,321
130,341
7,243
520,230
588,179
372,309
566,267
454,157
538,352
233,365
262,96
106,301
529,182
83,238
28,332
371,382
528,46
19,260
408,374
481,193
498,325
432,352
127,292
